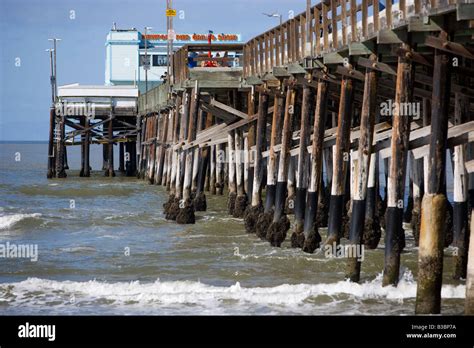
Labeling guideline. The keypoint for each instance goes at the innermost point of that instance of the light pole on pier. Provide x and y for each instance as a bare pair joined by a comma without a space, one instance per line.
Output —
276,15
146,66
51,64
54,78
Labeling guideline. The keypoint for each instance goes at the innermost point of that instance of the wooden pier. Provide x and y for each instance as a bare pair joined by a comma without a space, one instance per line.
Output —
309,115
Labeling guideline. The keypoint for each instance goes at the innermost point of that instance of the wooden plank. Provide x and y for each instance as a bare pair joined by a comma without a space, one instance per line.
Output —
449,46
352,73
382,67
228,109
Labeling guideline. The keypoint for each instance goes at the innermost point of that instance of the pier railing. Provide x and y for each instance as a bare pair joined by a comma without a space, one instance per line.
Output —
153,100
330,26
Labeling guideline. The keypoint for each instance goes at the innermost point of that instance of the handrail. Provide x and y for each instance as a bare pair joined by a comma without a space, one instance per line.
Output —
288,43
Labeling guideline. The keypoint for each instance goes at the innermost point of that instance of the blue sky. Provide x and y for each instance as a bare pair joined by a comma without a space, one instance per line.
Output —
26,26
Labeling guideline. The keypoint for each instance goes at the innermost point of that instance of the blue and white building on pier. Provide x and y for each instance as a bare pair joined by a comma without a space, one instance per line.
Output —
125,55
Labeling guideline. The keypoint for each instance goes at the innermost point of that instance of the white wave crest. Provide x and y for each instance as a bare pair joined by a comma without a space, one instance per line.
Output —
161,293
7,221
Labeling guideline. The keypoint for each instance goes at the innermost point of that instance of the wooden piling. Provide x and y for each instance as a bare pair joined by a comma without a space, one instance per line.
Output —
256,207
251,138
277,230
51,158
83,142
60,147
312,238
161,151
372,230
121,154
433,213
394,234
231,165
87,146
340,159
241,199
220,162
212,169
110,163
297,238
200,202
172,207
367,122
460,206
265,219
469,307
186,210
105,156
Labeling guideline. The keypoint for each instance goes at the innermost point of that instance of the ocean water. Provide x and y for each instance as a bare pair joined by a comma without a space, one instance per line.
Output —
104,247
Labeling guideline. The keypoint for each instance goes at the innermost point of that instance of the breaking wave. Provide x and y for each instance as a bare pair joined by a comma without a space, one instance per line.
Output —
43,292
8,221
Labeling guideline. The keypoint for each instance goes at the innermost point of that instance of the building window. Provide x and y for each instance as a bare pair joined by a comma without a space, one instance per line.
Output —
159,60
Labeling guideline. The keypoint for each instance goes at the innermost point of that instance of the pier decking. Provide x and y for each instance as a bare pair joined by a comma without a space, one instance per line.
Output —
343,86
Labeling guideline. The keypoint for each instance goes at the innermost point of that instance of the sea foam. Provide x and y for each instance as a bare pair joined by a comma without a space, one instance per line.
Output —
160,293
8,221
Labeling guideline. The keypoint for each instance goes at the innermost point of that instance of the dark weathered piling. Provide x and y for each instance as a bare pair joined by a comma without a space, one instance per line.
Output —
251,139
121,167
105,155
110,151
433,213
361,173
200,203
51,158
152,149
340,160
87,146
82,122
171,147
266,217
212,169
469,308
394,234
60,147
161,149
186,209
172,206
290,186
418,189
256,208
312,238
372,230
241,199
277,230
141,148
297,238
460,206
231,173
220,162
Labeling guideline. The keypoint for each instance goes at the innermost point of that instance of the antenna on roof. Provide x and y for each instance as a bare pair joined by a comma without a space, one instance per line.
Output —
114,26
